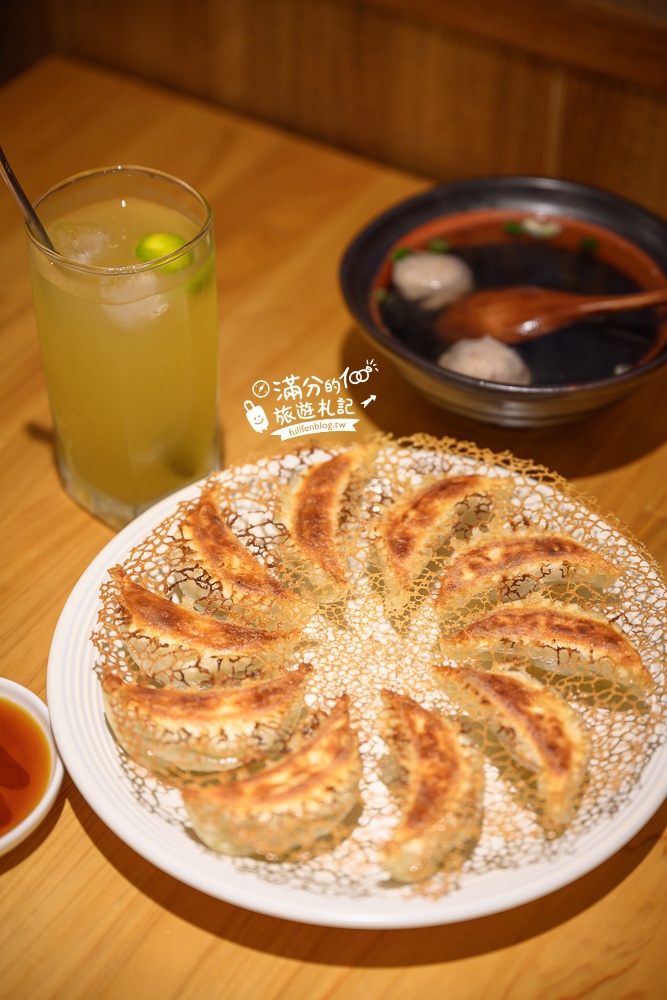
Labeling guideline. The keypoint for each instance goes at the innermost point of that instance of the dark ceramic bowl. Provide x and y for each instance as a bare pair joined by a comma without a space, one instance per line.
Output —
602,244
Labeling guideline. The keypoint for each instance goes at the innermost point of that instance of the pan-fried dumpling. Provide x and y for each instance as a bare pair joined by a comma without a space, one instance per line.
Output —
563,638
536,727
203,730
410,531
253,589
440,786
284,809
163,636
312,511
515,564
474,596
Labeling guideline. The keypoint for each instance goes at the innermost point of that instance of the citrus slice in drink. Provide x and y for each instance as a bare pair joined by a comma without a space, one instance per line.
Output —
157,245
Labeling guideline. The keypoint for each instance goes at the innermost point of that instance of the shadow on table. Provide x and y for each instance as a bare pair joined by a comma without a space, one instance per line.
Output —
608,439
34,840
369,948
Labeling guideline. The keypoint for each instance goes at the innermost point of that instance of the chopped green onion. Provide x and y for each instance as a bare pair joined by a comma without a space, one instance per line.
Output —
438,245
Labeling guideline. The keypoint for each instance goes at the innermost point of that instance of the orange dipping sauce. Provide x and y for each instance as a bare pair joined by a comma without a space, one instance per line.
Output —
25,764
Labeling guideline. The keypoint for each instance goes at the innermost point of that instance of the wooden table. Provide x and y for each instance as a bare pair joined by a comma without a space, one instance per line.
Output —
82,915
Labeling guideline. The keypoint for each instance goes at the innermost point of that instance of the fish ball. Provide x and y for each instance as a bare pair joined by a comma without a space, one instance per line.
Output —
432,280
488,359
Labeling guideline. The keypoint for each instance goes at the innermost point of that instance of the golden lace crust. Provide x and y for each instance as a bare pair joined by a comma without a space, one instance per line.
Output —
418,615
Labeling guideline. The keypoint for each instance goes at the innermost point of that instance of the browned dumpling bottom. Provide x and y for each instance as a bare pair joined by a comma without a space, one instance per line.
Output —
392,619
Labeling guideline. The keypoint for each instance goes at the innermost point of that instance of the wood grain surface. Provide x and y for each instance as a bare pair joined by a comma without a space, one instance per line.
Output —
575,89
83,916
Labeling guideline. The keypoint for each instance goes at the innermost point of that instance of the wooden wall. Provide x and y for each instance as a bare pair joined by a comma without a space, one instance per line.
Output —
25,35
444,88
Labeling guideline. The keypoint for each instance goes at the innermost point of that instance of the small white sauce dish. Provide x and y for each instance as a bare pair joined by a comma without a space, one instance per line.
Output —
18,695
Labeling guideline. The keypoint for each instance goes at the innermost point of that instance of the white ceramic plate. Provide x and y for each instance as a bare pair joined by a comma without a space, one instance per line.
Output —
151,820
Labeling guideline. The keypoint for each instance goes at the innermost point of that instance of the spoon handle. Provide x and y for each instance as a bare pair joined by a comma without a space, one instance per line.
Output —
617,303
23,202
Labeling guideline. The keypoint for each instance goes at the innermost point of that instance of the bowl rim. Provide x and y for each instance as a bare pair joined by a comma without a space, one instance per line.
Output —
506,187
24,698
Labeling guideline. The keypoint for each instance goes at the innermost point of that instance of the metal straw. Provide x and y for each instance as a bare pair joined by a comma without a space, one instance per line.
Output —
23,203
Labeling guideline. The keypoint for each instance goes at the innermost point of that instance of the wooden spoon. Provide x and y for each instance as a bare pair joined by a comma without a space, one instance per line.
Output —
522,313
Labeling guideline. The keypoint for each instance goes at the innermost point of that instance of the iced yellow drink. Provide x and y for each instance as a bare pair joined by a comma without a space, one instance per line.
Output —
128,328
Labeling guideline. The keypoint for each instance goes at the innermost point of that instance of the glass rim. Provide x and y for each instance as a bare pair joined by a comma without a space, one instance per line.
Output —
124,269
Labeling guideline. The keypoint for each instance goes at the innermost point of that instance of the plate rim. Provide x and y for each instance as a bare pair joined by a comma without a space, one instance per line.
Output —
547,875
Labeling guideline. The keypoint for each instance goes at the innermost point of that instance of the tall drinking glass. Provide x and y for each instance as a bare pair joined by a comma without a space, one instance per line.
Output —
128,329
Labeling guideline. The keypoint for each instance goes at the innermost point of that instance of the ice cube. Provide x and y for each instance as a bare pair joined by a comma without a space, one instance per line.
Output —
81,242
